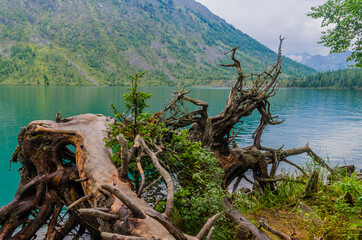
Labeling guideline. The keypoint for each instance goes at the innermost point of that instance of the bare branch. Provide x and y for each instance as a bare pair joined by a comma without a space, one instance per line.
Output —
79,201
297,151
105,193
318,159
89,212
70,224
207,226
174,231
236,184
156,203
234,135
295,165
247,179
45,211
125,156
102,209
281,235
140,169
245,224
134,208
81,179
209,236
233,50
51,227
277,179
152,183
14,157
114,236
166,176
58,117
275,165
228,65
195,101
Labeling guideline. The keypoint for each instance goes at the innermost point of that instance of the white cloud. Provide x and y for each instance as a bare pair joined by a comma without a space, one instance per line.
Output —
265,20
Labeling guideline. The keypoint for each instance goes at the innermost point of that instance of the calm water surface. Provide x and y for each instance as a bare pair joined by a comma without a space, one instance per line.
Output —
330,120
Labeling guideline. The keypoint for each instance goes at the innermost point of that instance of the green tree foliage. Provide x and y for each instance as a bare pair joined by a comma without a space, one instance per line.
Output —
27,63
5,68
344,19
344,79
135,101
46,80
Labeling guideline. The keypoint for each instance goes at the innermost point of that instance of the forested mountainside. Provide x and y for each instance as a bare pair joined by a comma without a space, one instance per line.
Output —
344,79
101,42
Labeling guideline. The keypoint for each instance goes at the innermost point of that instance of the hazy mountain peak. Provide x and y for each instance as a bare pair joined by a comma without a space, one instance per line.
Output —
331,62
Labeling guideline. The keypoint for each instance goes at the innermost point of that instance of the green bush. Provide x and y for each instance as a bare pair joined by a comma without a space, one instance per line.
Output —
193,168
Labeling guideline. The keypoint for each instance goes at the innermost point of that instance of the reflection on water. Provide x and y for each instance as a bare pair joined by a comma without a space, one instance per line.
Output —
330,120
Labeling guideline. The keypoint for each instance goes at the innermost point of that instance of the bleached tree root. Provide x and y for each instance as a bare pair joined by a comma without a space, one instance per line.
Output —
85,181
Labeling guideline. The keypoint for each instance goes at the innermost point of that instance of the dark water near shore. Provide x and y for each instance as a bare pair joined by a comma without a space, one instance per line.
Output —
330,120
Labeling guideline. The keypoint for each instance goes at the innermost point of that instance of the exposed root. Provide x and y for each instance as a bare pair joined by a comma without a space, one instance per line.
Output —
86,182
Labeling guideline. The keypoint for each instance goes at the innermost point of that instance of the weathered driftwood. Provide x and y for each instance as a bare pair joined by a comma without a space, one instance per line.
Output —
217,131
247,228
53,176
281,235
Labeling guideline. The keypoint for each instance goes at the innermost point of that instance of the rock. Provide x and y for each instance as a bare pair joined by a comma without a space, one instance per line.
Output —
348,169
312,185
308,214
245,190
341,171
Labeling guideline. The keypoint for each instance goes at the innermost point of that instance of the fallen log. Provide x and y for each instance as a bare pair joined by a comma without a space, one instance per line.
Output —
42,144
52,175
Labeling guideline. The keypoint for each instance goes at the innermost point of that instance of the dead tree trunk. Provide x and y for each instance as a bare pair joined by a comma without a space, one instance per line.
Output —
217,131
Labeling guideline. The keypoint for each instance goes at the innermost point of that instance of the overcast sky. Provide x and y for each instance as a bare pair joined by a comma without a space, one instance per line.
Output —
265,20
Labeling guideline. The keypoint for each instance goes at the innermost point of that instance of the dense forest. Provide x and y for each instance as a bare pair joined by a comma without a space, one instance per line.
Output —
92,42
345,79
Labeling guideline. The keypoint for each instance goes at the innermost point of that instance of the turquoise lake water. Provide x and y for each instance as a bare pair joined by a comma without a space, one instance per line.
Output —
330,120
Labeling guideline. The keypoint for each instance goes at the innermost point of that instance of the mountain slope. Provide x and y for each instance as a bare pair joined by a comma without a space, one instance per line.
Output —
175,41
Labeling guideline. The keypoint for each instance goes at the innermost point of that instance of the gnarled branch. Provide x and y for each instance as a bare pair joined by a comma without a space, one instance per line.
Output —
166,176
207,226
133,207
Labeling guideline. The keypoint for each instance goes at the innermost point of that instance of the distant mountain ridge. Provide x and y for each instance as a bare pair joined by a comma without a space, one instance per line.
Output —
93,42
331,62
